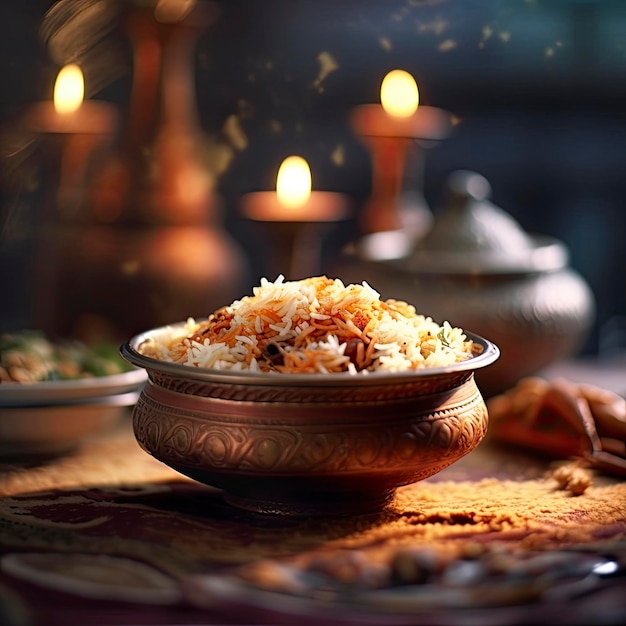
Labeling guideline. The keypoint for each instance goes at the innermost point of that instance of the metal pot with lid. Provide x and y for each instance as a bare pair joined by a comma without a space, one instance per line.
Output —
478,269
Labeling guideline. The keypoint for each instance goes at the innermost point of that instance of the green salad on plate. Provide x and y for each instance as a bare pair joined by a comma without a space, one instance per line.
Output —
29,356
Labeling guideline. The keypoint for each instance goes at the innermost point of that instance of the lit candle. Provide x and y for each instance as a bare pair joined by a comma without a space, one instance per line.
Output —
399,113
399,94
293,200
390,129
68,112
73,129
294,218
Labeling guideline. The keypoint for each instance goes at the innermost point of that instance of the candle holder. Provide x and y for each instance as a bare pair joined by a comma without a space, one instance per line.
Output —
389,140
69,156
295,236
68,149
293,249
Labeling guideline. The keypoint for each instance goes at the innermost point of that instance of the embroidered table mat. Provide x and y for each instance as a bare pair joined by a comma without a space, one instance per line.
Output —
109,535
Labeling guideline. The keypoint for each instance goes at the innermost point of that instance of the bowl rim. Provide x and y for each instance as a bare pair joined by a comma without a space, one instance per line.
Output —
130,352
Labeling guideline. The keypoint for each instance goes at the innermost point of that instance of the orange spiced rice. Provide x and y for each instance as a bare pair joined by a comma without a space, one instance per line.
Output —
316,325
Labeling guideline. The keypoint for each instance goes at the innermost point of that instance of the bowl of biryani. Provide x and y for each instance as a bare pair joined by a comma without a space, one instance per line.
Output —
310,397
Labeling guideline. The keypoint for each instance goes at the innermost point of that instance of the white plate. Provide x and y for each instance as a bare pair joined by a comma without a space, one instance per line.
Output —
51,392
60,427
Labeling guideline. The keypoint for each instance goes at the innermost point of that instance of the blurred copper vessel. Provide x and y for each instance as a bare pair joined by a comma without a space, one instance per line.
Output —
148,246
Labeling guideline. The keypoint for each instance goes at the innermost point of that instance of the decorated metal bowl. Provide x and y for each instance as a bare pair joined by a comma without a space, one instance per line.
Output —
308,444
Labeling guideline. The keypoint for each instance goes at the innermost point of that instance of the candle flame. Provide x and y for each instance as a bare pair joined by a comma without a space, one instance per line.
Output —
399,94
293,183
69,89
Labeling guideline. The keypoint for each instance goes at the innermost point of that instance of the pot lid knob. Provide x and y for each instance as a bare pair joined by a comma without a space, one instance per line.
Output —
470,234
469,221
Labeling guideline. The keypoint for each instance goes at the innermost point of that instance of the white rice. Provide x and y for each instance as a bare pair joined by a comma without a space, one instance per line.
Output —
307,326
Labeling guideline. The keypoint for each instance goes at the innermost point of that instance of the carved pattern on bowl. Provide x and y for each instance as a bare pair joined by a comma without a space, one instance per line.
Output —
425,440
373,391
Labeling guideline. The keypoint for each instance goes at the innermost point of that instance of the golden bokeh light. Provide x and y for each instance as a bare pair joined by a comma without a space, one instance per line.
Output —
69,89
399,94
293,182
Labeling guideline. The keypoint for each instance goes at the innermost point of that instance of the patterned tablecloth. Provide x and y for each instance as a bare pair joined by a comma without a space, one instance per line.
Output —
109,535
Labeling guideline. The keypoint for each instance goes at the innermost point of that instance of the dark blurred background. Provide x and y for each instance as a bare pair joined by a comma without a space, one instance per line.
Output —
536,86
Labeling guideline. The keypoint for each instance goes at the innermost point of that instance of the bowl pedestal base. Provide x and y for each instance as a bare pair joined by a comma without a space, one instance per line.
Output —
301,496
